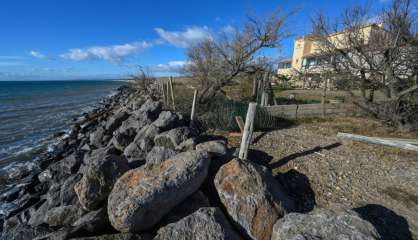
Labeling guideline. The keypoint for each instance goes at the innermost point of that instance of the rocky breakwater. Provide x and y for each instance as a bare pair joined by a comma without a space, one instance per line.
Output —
131,170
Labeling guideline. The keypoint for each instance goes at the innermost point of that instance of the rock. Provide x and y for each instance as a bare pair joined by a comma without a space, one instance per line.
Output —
141,145
252,197
215,148
98,179
63,216
38,215
118,236
172,139
188,145
142,196
151,108
14,229
323,224
193,203
122,138
94,222
168,120
206,223
96,137
158,155
67,193
116,120
62,169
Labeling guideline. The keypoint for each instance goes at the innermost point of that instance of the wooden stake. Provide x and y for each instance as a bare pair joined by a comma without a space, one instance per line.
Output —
240,123
172,92
163,91
248,131
193,105
324,99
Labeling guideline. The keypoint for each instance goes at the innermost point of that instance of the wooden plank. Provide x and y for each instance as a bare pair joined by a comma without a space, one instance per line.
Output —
193,105
240,123
379,141
248,131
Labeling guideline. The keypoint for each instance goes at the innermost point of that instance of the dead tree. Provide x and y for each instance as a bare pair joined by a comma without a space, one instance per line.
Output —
216,63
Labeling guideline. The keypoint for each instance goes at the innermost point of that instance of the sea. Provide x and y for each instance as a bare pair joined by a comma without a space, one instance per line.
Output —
32,112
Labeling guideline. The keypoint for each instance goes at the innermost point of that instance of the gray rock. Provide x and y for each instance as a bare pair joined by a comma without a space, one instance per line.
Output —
142,144
168,120
172,139
215,148
151,108
323,224
96,137
206,223
116,120
38,214
123,137
98,179
14,229
252,197
94,222
187,145
67,193
118,236
193,203
158,155
63,216
142,196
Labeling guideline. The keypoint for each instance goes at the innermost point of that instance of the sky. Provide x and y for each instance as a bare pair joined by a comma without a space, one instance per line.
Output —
90,39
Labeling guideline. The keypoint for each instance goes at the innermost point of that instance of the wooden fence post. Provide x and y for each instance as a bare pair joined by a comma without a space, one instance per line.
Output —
324,98
193,106
163,91
248,131
172,92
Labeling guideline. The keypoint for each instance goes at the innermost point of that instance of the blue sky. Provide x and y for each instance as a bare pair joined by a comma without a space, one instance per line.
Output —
76,39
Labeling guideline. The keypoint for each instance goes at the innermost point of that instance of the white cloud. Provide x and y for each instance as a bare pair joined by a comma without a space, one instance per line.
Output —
184,39
114,53
39,55
173,66
228,29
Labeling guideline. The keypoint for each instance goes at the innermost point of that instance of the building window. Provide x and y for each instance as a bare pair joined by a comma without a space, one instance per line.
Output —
284,65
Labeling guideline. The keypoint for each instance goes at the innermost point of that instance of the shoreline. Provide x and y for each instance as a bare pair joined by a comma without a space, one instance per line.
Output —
130,169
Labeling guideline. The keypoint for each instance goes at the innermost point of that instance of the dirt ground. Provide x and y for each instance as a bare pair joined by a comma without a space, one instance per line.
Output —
380,183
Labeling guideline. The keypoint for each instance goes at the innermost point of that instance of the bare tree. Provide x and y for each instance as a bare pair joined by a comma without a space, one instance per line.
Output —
143,79
371,57
216,63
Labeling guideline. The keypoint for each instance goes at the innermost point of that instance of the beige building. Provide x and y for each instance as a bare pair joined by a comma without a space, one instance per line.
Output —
307,56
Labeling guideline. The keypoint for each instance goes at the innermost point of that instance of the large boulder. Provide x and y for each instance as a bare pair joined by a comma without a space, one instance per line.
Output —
142,196
116,120
168,120
206,223
158,155
67,192
93,222
173,138
215,148
98,178
96,137
150,108
117,236
141,145
252,197
63,216
324,224
193,203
